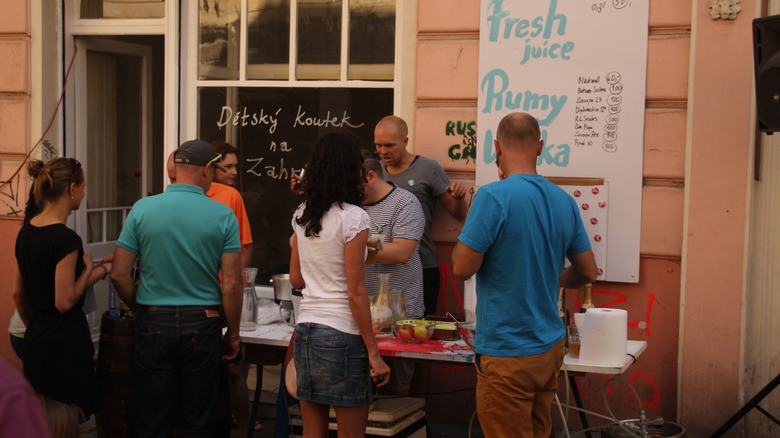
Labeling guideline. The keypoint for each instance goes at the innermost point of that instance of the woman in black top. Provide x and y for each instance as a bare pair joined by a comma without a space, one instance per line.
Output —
53,273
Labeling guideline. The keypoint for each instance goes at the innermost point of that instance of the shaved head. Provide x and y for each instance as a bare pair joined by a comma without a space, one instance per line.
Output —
395,122
518,129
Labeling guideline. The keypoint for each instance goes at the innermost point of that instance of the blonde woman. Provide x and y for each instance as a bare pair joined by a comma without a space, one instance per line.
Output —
53,271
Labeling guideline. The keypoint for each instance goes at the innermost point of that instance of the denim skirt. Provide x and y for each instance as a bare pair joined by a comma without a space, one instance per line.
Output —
332,366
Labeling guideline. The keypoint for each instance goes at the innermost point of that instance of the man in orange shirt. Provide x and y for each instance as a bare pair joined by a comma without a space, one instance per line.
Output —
222,190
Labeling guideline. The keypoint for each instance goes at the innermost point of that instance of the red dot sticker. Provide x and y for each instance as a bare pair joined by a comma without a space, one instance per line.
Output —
577,193
602,204
594,221
600,271
585,206
595,190
597,237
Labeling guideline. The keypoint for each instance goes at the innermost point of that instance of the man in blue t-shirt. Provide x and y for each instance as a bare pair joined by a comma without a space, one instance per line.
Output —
516,238
183,240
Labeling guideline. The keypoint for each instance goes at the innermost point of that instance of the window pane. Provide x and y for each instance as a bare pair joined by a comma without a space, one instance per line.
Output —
371,39
268,43
113,224
94,226
122,9
219,30
319,39
274,130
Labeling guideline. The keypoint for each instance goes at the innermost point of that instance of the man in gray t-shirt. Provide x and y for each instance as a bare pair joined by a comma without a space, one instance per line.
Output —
426,179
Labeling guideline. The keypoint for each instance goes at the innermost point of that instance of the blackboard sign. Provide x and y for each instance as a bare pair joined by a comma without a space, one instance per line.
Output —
274,130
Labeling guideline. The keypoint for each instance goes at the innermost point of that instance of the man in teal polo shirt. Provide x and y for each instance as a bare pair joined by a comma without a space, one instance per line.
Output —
183,240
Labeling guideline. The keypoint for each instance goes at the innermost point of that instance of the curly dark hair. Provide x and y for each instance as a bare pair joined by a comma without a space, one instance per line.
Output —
334,174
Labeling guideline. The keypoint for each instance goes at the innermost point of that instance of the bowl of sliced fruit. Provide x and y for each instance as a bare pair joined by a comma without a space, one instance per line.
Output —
414,331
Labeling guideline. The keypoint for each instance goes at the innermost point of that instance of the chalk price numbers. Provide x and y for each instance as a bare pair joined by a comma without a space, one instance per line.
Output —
613,100
598,97
617,4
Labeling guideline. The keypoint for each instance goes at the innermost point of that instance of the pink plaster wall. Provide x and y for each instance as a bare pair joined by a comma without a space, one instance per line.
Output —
670,13
15,129
15,73
440,135
720,142
15,17
448,57
664,151
15,135
667,66
430,13
447,68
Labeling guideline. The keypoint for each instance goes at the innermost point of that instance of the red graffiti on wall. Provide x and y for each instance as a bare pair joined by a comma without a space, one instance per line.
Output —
639,374
447,278
622,298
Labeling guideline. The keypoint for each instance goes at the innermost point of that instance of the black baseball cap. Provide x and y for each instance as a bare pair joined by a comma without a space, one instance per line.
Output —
197,153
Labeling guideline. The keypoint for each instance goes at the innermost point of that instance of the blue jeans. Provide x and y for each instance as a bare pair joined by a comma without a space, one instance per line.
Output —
332,367
177,358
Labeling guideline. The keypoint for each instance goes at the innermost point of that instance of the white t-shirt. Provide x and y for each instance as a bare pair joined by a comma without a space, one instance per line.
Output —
16,326
325,299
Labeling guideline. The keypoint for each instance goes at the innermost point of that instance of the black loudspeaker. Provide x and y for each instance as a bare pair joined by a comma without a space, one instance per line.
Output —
766,59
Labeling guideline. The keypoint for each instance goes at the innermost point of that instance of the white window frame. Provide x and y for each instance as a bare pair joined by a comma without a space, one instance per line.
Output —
402,83
167,26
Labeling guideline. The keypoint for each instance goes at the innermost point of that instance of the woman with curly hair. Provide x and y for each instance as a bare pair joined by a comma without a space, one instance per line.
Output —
335,351
52,274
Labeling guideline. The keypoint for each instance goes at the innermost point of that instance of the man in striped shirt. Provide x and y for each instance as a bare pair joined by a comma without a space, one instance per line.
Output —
397,215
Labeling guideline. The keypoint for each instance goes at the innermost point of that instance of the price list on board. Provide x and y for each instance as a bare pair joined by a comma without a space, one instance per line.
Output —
597,111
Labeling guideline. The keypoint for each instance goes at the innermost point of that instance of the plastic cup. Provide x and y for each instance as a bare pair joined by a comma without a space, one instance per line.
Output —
374,241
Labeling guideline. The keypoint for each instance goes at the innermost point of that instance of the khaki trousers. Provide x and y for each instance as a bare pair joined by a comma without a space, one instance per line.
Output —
515,394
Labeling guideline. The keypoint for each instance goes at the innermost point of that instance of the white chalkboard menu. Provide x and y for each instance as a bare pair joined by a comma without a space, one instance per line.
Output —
579,67
274,130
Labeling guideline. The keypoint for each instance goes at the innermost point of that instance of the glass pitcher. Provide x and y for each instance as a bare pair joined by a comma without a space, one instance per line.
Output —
397,305
249,307
393,299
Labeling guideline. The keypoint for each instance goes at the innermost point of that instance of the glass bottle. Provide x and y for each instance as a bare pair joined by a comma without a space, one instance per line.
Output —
249,306
397,306
587,303
383,299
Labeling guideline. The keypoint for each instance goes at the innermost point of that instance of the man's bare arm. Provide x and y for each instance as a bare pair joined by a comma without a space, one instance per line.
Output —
121,275
582,270
465,261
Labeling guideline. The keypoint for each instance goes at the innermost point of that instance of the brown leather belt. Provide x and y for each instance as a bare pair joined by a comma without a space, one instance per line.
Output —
144,308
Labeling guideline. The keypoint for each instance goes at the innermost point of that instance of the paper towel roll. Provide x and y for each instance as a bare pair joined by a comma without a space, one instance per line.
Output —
603,337
470,298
